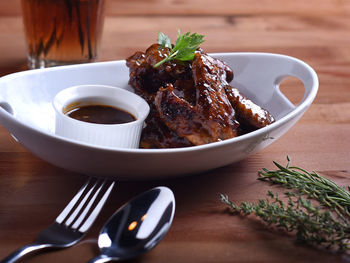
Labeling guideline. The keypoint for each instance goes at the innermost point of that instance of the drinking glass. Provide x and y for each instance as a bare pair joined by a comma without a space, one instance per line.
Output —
61,32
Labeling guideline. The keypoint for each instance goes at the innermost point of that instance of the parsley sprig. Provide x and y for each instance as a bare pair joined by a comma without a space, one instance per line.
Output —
317,209
184,48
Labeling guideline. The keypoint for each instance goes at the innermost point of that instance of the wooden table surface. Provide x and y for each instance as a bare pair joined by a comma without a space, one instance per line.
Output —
32,192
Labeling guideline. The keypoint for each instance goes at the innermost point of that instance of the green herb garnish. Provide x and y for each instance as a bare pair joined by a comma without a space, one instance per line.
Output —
321,219
184,48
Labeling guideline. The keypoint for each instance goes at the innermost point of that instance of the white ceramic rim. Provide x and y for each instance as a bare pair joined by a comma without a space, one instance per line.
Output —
140,118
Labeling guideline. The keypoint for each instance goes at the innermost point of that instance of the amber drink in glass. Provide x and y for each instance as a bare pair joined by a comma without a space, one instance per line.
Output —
61,32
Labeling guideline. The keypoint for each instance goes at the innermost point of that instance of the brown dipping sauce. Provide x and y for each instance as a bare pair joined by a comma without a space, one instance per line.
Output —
100,114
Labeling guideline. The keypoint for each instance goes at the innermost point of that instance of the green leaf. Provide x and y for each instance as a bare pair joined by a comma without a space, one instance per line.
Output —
184,49
186,45
164,40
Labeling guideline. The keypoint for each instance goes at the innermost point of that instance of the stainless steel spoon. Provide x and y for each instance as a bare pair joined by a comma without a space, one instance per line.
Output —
137,227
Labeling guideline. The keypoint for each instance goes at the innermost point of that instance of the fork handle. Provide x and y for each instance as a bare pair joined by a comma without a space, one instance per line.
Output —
23,251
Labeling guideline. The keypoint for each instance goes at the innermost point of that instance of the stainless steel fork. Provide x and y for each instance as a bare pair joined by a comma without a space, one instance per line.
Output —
73,222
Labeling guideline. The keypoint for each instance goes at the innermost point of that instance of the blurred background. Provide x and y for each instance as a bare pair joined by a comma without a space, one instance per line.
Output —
316,31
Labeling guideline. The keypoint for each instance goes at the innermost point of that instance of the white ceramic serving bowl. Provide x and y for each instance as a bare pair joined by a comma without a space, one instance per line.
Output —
26,112
125,135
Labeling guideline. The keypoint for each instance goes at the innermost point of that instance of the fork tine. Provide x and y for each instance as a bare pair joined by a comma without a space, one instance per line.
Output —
71,204
87,207
76,211
89,221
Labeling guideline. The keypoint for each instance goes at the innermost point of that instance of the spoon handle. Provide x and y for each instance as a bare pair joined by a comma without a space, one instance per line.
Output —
21,252
99,259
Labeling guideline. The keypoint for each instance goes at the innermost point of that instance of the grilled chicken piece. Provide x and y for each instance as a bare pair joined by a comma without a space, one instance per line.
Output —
157,135
248,113
191,103
147,80
212,118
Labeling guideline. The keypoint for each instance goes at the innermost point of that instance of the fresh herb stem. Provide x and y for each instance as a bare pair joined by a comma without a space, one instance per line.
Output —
325,223
325,191
183,50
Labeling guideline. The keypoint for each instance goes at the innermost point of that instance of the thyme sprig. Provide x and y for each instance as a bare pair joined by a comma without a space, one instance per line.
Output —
325,191
321,219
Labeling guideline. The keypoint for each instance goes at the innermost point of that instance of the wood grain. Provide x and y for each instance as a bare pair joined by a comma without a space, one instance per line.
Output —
32,192
218,7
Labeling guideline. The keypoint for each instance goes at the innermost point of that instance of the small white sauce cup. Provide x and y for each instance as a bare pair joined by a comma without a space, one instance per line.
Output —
125,135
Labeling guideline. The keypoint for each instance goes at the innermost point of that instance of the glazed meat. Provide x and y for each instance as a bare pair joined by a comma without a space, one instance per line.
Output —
147,80
212,118
249,114
191,102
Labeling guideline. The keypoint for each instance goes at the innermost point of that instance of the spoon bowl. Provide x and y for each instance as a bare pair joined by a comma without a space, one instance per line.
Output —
137,227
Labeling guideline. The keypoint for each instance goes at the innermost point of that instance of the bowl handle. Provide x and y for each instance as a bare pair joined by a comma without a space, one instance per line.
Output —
296,68
258,77
286,66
